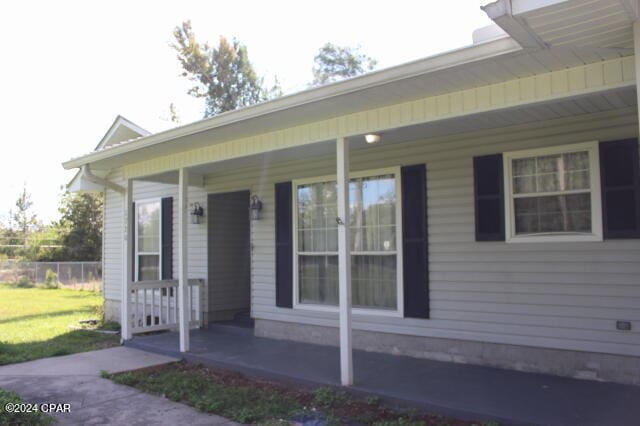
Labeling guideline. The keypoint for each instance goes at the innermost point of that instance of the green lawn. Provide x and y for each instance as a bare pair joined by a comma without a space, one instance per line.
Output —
10,418
34,323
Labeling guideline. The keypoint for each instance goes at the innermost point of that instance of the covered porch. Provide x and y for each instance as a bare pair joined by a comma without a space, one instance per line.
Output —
465,391
440,113
341,156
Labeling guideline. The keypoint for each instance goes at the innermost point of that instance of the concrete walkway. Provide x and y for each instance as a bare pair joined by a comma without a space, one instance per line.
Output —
466,391
75,379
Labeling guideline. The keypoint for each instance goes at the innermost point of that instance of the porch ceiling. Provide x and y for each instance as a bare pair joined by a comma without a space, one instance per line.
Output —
622,98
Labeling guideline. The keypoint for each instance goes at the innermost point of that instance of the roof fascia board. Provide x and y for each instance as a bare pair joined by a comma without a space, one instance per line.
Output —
450,59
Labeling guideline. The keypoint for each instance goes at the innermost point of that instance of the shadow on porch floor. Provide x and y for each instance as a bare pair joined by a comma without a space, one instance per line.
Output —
460,390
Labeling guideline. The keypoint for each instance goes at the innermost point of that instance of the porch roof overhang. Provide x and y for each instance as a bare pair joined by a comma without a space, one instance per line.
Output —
491,84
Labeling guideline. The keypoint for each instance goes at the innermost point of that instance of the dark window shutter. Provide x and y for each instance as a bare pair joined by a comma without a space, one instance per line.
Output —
414,242
284,245
132,228
167,238
489,197
620,181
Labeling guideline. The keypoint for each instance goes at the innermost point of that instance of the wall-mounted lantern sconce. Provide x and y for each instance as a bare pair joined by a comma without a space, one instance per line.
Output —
196,213
255,207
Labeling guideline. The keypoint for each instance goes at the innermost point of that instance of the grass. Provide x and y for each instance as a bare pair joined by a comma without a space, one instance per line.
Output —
6,418
249,400
34,323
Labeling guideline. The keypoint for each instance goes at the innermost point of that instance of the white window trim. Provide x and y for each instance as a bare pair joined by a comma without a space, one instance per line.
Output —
399,311
137,244
596,203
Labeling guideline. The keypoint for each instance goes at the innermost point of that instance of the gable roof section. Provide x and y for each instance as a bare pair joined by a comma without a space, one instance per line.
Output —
121,130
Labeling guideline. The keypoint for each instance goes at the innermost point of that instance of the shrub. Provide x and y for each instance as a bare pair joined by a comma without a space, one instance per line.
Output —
24,281
51,279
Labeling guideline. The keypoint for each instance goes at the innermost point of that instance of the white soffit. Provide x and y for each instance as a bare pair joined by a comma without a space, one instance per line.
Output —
600,25
82,185
621,100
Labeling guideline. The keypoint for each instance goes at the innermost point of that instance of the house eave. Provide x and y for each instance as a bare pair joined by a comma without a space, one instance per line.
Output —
352,86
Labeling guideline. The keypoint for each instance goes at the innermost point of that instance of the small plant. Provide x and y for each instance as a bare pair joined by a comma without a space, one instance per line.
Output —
128,379
51,279
329,397
373,400
99,313
24,282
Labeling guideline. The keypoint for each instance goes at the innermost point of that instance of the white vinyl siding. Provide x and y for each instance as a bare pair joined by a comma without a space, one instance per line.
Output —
113,238
565,295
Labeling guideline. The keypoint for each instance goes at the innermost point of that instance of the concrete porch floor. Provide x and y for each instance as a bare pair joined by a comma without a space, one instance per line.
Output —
460,390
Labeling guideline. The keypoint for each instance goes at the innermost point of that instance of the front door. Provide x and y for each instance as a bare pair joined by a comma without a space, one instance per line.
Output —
229,256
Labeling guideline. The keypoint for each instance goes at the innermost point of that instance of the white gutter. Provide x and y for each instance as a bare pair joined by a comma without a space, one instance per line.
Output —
377,78
86,172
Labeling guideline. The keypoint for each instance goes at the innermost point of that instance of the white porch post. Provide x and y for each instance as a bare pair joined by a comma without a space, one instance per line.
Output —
344,262
127,264
636,51
183,283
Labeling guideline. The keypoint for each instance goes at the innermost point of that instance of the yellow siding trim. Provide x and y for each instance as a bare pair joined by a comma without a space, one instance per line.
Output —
540,88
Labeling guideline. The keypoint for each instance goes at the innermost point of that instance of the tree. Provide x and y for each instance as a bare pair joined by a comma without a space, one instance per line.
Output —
224,76
334,63
22,218
80,226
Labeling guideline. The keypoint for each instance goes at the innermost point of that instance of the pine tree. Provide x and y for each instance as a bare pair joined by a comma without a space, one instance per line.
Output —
223,76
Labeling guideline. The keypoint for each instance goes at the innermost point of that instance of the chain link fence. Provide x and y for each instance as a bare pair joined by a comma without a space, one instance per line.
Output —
72,274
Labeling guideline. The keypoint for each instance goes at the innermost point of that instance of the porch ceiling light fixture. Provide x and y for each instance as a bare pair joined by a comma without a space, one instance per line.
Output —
196,213
372,138
255,207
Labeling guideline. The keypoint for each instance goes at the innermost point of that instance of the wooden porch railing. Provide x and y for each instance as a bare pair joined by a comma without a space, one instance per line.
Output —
154,305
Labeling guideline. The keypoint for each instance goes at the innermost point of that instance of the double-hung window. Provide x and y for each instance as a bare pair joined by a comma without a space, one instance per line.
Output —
148,245
553,194
375,231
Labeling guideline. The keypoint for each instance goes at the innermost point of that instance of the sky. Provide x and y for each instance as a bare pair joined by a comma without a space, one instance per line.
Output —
68,68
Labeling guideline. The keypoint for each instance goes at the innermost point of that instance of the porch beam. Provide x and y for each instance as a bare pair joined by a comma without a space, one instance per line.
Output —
183,272
344,263
127,262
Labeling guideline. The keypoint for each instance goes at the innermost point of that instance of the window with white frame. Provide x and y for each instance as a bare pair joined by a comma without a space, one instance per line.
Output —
553,194
148,245
375,230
